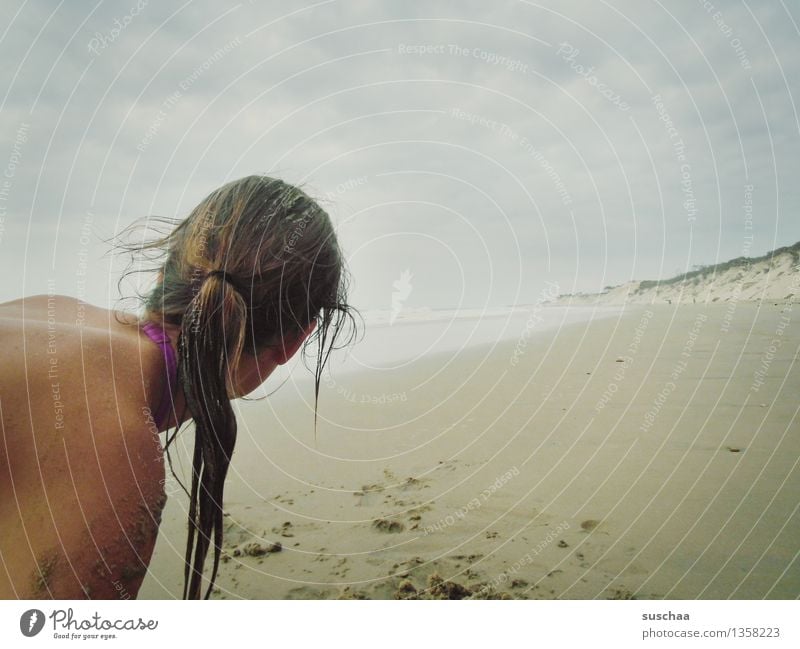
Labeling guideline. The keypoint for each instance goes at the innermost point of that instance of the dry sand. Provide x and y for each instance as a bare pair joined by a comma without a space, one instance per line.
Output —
650,455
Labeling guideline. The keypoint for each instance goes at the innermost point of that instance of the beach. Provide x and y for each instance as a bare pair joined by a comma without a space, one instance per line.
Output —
648,454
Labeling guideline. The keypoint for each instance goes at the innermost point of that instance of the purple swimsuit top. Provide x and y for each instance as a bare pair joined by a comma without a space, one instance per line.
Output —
155,333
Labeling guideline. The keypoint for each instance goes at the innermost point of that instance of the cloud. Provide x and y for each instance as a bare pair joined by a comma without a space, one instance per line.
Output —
497,113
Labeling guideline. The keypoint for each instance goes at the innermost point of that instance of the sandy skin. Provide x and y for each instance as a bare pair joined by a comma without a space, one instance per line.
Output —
82,479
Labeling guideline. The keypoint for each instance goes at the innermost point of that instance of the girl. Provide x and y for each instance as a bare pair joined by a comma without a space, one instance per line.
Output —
246,279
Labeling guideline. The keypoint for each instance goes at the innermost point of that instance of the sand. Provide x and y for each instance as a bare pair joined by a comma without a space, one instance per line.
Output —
650,455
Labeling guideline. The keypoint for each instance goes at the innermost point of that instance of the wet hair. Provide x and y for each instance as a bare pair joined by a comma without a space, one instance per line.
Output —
254,264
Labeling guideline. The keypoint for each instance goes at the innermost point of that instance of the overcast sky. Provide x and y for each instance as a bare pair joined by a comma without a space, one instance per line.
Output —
486,147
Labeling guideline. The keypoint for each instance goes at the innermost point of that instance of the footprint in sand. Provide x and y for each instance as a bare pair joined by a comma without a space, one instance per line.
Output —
414,484
284,530
369,494
406,590
385,525
620,593
448,464
256,549
589,525
376,493
415,517
341,568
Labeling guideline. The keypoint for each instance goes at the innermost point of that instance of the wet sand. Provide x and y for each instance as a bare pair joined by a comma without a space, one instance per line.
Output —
650,455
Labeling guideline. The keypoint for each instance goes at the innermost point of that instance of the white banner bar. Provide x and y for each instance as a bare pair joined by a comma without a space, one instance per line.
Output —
388,624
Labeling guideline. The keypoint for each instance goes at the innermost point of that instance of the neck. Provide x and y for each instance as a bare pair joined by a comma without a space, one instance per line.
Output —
178,398
177,413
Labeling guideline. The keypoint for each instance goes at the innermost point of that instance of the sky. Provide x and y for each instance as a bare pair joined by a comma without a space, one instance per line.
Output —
477,153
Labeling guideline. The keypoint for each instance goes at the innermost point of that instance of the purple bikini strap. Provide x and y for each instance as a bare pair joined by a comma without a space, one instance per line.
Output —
159,337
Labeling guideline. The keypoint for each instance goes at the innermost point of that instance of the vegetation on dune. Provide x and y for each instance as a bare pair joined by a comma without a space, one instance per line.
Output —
704,271
701,273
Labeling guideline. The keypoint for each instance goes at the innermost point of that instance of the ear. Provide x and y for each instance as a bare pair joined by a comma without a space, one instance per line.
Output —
283,352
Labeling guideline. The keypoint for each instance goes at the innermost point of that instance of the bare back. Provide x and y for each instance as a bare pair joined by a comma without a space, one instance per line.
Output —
81,468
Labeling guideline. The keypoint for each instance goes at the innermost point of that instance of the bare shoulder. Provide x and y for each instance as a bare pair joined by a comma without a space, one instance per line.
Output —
72,362
83,460
78,341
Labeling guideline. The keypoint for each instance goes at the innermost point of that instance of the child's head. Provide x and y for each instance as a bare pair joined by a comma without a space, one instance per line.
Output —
274,244
249,273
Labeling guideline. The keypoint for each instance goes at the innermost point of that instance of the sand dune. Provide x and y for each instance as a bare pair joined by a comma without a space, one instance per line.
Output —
775,277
